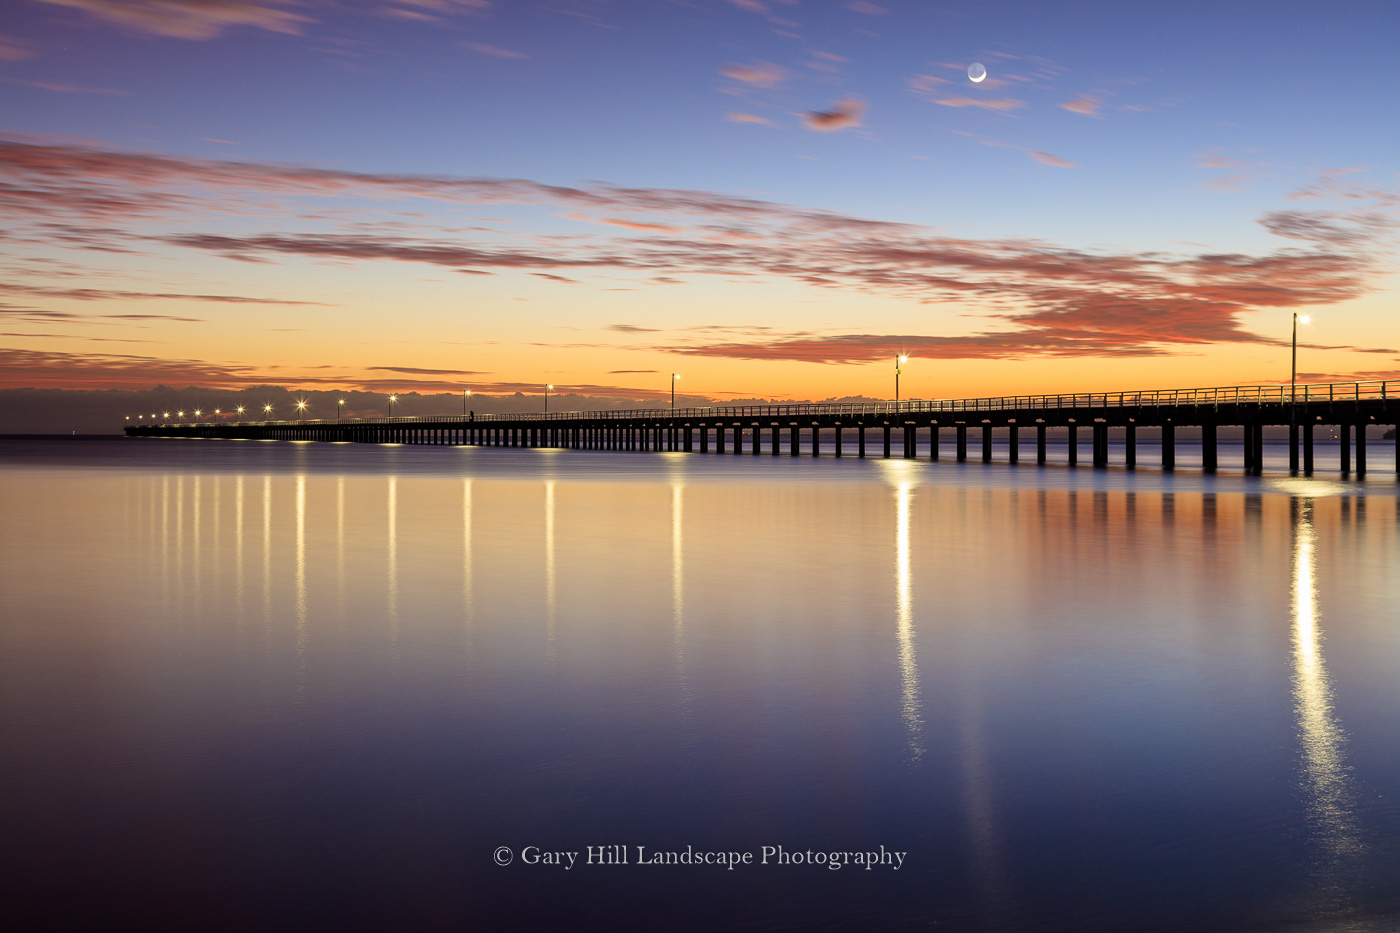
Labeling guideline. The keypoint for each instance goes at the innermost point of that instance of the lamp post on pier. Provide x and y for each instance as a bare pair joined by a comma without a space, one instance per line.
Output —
674,377
546,398
1293,397
899,361
392,400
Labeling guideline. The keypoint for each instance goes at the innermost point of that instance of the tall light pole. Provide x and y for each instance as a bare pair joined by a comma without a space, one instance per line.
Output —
674,377
1293,381
301,407
466,394
339,406
898,362
392,400
267,411
240,411
546,398
1293,397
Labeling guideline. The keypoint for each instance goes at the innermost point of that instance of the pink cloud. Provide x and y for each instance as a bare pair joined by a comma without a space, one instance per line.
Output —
14,50
1083,104
747,118
494,51
190,19
759,74
842,115
70,88
1001,104
1045,158
1045,299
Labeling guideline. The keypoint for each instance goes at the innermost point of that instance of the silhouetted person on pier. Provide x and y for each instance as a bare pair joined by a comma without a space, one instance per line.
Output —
473,415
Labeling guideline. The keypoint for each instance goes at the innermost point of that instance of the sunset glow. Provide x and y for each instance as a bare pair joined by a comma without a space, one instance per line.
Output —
776,198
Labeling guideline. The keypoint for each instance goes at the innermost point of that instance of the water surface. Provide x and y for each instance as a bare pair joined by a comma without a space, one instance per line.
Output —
283,684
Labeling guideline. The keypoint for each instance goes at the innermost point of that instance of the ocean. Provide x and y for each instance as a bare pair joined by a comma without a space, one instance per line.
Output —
274,685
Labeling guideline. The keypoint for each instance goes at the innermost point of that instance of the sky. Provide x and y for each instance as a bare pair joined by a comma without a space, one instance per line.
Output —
767,198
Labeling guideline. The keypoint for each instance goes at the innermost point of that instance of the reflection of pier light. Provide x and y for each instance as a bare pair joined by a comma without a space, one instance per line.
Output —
301,580
904,616
1330,804
179,531
238,546
678,592
977,800
196,578
340,545
165,539
468,596
393,591
267,556
549,570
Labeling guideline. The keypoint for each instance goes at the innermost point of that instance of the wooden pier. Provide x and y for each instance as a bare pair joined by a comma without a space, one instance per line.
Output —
1357,410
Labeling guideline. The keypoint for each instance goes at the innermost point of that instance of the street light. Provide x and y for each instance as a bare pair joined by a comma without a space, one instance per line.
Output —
1293,382
1293,396
240,409
392,400
898,362
301,407
466,393
339,404
267,410
674,377
546,398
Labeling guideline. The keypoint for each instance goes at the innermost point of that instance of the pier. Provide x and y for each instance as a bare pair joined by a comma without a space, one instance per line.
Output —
1356,410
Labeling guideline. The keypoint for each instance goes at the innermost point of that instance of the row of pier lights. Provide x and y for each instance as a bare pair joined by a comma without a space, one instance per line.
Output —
899,362
340,405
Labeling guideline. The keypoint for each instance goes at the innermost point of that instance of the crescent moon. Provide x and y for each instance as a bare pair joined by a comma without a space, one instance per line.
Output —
976,72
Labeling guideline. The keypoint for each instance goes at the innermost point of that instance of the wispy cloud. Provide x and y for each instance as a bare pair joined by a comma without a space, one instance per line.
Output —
1042,298
1084,104
191,19
758,74
416,371
999,104
14,50
839,116
109,294
1044,158
1229,174
494,51
63,88
747,118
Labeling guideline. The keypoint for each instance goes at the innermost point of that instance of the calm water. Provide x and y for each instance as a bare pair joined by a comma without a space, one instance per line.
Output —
280,685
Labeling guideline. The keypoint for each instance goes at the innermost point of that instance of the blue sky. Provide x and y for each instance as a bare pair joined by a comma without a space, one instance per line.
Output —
1106,133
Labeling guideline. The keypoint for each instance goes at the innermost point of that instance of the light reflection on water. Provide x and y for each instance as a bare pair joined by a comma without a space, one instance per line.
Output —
1332,814
1093,703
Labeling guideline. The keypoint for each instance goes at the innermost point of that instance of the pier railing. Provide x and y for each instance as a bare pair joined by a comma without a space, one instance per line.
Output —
1217,395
